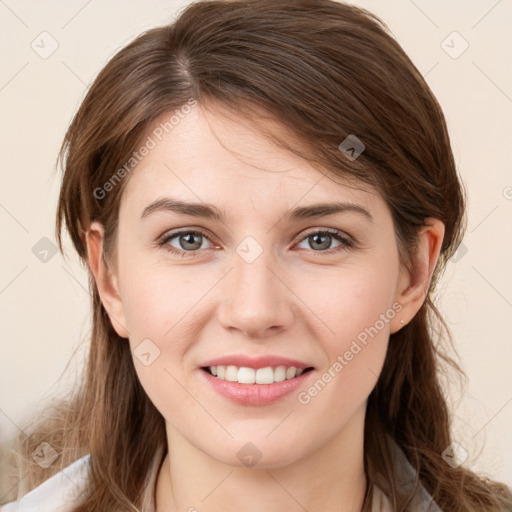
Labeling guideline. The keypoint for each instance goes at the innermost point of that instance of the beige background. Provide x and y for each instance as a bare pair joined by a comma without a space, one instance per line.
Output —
44,306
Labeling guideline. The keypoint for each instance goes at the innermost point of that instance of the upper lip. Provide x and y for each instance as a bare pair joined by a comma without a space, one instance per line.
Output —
255,361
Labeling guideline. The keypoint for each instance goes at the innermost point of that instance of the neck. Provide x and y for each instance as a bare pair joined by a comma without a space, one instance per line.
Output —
330,478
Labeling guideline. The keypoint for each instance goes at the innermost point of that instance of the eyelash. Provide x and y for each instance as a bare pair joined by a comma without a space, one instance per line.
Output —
346,242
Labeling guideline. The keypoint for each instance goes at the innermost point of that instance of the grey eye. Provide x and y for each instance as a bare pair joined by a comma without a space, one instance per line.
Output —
188,240
319,241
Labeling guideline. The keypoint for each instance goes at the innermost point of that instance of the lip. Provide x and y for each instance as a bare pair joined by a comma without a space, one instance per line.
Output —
256,361
254,394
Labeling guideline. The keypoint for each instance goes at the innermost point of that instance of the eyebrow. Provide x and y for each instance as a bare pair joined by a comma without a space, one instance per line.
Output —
210,211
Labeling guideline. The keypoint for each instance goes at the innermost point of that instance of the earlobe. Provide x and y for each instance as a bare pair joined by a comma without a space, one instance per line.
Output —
414,283
106,281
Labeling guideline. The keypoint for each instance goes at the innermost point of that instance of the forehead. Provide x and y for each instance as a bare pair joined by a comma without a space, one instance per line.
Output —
208,154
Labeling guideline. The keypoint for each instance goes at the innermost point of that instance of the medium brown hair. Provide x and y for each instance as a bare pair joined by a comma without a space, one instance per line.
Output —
325,70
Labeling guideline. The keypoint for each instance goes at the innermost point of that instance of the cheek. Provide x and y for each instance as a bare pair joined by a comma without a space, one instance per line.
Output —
355,309
158,315
349,301
163,308
158,301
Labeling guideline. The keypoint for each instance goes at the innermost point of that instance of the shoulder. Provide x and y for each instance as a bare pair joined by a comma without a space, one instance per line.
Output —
380,502
406,479
422,502
60,493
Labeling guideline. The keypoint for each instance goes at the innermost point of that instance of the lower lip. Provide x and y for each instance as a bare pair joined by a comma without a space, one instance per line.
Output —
255,394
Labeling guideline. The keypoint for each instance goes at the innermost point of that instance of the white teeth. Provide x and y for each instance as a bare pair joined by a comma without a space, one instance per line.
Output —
291,372
280,374
265,375
245,375
231,373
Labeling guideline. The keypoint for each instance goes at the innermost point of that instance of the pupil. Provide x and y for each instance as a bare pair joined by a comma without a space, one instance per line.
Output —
187,240
318,236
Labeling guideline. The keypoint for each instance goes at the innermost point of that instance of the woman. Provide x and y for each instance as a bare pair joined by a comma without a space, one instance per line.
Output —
265,196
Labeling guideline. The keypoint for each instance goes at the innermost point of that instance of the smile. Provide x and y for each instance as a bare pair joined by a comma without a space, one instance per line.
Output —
246,375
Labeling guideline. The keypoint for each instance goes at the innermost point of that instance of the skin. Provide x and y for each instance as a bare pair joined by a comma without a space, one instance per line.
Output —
299,299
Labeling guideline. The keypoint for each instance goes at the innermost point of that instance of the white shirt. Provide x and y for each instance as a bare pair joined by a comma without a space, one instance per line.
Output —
60,493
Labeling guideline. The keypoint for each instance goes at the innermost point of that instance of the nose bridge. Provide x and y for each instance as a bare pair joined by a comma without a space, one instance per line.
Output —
255,300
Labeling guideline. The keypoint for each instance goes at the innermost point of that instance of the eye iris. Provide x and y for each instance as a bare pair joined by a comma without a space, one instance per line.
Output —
325,245
192,240
187,237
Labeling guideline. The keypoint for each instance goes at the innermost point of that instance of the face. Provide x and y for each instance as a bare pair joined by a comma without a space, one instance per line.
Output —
267,282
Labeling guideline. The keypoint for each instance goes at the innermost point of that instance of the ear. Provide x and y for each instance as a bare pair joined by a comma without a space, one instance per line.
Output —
106,281
414,284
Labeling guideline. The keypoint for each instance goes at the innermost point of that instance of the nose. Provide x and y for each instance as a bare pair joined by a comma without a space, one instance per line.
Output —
256,300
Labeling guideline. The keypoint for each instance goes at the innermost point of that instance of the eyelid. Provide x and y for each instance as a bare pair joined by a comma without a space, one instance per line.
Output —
330,231
347,240
163,239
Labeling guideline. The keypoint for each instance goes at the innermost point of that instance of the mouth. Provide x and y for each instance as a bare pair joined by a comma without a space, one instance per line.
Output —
247,375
